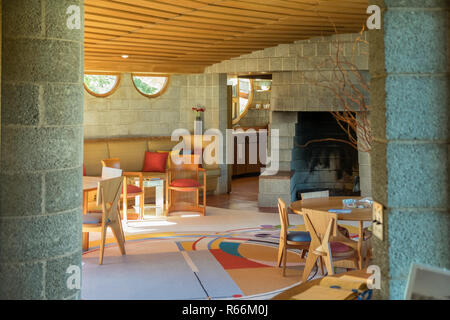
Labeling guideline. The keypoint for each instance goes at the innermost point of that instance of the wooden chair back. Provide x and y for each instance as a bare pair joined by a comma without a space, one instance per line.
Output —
315,194
320,223
111,163
109,192
284,219
108,173
187,169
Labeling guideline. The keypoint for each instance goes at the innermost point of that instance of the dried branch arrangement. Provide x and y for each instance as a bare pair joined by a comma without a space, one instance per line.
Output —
339,75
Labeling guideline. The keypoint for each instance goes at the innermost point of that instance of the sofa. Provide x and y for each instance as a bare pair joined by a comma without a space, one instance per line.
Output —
131,152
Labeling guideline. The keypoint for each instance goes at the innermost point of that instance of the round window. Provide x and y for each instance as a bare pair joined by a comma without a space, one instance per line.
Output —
150,85
101,85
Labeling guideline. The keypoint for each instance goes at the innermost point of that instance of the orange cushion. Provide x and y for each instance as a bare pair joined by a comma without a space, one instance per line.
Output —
185,183
169,156
155,161
133,189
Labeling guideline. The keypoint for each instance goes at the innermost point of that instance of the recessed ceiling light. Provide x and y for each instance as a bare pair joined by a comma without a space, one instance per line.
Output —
125,56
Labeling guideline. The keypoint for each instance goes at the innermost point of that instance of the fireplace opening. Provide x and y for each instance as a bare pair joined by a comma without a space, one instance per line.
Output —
320,164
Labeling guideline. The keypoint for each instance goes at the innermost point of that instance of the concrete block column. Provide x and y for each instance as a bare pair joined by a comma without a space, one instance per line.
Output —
409,158
220,79
41,149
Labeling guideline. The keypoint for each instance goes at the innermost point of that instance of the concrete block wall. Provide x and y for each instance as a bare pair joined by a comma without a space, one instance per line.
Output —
302,55
278,186
204,89
41,150
284,122
127,113
410,156
272,188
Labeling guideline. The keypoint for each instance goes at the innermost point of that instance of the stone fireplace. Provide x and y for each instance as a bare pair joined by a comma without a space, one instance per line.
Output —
301,113
311,166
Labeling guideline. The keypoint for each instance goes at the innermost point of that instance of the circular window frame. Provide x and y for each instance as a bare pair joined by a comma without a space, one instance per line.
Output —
159,75
249,103
110,92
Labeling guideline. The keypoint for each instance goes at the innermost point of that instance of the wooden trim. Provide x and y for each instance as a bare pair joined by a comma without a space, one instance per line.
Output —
104,95
160,92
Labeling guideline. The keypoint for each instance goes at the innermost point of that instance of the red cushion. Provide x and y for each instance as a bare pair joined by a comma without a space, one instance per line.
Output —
84,171
184,183
155,161
338,247
133,189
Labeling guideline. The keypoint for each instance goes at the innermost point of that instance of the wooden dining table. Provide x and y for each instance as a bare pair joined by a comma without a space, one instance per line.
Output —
89,184
359,215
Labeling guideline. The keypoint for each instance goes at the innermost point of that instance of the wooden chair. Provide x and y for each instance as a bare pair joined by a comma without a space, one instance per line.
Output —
365,247
131,191
108,196
290,240
327,242
184,178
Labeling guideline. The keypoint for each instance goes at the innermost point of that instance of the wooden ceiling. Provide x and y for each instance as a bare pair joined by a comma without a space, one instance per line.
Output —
185,36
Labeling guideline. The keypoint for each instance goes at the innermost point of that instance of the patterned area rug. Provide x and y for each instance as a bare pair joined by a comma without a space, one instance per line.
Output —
234,264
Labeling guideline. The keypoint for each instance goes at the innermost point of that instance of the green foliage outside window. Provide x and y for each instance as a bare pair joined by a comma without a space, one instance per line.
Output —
148,85
100,84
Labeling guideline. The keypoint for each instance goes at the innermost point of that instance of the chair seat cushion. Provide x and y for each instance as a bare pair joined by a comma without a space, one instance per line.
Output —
133,189
184,183
92,218
299,236
337,247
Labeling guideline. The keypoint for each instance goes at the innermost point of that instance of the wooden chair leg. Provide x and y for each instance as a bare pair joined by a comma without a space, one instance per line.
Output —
368,257
280,253
284,260
102,245
204,200
141,207
118,235
119,214
303,254
329,265
321,265
125,209
310,262
85,241
197,199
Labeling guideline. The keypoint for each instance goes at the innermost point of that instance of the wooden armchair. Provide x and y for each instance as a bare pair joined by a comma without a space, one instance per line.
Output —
183,178
295,240
131,191
108,196
327,242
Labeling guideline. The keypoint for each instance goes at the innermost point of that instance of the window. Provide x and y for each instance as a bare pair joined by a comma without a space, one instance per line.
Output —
150,86
242,97
262,85
101,85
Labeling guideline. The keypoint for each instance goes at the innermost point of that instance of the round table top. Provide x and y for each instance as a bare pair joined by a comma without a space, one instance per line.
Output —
325,204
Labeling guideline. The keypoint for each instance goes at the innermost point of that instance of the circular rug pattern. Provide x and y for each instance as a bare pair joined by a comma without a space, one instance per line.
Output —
227,265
